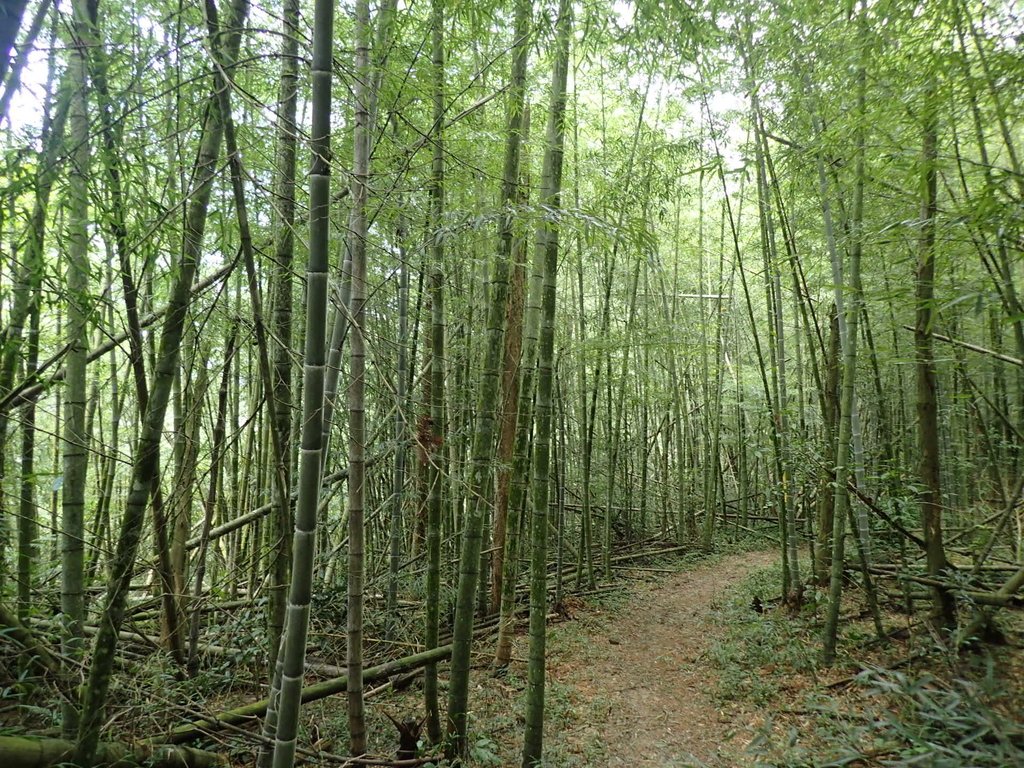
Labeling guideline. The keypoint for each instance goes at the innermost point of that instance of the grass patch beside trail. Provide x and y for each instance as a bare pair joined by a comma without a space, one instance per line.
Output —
935,711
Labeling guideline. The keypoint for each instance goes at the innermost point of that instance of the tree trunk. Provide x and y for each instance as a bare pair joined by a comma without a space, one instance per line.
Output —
552,185
10,23
432,434
288,698
943,613
28,529
357,383
510,404
483,437
826,483
281,310
76,441
147,456
217,450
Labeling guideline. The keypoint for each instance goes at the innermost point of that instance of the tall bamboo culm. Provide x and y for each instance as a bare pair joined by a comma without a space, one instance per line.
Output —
533,744
311,440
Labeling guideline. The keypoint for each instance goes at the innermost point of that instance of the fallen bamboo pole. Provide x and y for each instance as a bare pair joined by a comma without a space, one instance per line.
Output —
260,512
998,598
240,715
39,654
974,348
31,752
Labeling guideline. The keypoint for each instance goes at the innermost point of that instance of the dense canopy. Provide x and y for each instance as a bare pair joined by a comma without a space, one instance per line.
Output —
417,301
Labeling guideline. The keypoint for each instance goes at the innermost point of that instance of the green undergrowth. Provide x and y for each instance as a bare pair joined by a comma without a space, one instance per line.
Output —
881,705
498,700
758,646
575,736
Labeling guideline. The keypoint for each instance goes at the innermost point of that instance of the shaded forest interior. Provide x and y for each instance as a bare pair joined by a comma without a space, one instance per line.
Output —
337,339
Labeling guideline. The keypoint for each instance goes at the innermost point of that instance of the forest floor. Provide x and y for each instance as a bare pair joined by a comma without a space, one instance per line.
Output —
631,675
681,662
678,668
640,679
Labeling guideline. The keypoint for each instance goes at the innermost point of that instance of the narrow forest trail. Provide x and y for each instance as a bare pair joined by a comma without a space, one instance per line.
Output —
640,682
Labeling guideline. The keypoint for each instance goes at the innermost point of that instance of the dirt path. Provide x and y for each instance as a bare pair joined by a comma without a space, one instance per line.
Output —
641,684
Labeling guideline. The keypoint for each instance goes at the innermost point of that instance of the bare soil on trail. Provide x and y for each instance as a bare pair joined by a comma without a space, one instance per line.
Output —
640,684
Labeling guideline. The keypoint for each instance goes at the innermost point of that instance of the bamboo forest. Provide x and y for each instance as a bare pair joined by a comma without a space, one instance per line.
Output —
511,383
